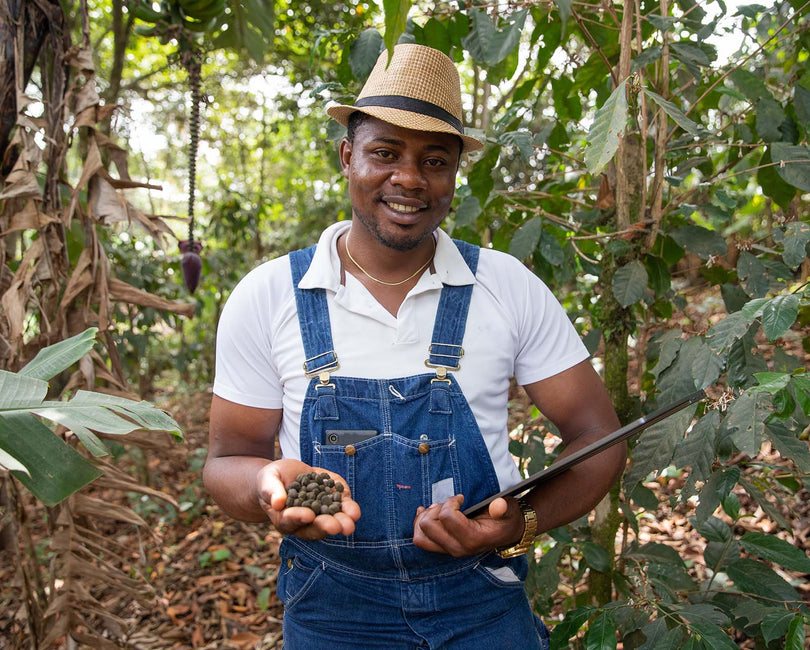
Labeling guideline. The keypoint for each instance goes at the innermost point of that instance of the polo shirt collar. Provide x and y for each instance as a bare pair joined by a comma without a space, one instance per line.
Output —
324,271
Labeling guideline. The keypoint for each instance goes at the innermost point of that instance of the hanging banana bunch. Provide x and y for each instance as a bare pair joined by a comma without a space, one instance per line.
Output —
176,16
191,262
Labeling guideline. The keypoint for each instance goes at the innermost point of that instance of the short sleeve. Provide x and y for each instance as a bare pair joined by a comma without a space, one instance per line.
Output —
548,342
245,372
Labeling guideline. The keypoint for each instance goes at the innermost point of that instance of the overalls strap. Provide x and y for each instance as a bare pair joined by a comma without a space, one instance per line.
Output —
313,318
451,318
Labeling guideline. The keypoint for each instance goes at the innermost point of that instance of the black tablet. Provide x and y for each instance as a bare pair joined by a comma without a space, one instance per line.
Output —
586,452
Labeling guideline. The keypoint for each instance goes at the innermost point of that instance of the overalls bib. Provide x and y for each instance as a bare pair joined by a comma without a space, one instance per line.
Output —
424,447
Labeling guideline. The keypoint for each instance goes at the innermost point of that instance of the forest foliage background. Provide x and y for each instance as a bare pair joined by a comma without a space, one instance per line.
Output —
649,160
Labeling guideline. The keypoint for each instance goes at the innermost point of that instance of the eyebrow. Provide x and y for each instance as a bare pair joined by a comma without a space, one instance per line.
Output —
401,143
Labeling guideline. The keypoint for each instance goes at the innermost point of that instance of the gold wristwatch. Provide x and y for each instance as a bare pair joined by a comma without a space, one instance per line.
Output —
526,542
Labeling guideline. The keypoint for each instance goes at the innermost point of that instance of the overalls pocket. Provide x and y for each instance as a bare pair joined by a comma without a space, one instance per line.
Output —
296,578
425,470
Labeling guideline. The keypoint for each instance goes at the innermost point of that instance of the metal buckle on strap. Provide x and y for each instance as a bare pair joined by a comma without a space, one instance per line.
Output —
441,375
327,367
456,357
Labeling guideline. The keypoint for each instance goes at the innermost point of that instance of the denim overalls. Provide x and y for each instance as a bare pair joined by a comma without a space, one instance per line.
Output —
375,589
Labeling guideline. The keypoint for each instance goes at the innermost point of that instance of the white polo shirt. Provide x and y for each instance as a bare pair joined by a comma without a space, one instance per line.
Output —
515,328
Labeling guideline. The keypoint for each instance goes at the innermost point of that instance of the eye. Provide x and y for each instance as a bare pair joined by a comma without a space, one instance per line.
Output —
385,154
435,162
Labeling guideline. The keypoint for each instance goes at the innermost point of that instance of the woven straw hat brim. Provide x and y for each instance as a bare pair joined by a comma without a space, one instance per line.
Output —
405,119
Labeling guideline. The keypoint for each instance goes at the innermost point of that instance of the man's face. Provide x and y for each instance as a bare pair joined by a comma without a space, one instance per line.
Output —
401,182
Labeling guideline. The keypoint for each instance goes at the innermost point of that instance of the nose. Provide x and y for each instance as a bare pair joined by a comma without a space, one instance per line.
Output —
408,174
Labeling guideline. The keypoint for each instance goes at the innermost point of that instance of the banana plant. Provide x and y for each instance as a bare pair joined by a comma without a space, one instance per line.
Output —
31,450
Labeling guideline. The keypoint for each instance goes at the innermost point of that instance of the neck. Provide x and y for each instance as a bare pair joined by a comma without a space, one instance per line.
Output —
387,267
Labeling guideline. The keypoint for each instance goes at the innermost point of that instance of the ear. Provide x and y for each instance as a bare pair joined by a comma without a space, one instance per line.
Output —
345,154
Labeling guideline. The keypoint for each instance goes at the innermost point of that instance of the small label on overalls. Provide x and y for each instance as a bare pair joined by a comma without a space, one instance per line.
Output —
442,490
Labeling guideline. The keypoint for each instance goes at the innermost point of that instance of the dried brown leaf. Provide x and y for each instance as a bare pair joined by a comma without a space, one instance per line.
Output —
92,507
24,186
29,218
121,291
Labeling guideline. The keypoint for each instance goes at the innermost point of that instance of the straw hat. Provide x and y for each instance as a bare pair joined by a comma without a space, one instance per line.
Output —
419,90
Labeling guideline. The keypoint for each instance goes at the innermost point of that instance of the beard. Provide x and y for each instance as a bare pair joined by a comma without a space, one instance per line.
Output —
407,239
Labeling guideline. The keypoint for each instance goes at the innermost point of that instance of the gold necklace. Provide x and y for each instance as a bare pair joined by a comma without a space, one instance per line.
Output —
390,284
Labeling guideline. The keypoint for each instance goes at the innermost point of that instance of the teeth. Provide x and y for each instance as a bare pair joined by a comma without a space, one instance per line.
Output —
402,208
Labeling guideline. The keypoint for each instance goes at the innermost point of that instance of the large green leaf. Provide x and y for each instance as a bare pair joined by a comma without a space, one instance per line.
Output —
480,177
696,450
771,181
794,239
526,238
608,125
674,112
364,53
788,445
52,360
776,624
468,211
746,423
629,283
774,549
801,102
656,446
601,634
10,463
796,637
55,470
564,7
792,164
396,17
574,619
18,391
779,315
762,500
700,241
758,579
490,43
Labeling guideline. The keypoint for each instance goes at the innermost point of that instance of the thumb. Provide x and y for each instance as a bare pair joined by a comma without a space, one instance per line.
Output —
498,508
271,487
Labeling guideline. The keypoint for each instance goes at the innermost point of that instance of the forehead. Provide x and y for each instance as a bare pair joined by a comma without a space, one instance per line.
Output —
372,129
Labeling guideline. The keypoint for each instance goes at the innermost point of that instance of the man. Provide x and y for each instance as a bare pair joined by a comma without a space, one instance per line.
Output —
384,356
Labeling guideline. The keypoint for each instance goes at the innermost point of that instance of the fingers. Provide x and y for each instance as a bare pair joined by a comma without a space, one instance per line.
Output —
498,508
442,528
300,521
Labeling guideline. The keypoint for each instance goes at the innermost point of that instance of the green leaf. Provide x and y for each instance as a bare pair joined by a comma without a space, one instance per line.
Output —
713,636
437,36
522,140
364,53
724,333
18,391
746,423
779,315
789,446
753,275
757,579
706,366
774,549
396,17
655,553
696,450
546,574
601,634
767,507
751,85
56,470
656,446
674,112
713,529
7,461
772,183
596,557
468,211
608,125
526,238
564,7
769,116
491,44
776,624
700,241
797,634
574,619
801,102
795,238
770,382
480,177
629,283
792,164
52,360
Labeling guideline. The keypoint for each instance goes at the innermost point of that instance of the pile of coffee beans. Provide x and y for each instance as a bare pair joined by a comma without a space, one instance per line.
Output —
315,491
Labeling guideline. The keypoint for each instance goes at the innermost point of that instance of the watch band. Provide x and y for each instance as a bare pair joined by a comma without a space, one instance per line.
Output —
526,542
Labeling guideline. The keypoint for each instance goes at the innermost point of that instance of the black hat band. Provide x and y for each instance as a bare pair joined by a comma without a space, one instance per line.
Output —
414,106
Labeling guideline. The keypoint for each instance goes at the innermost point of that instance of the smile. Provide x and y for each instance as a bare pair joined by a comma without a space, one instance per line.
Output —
402,208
